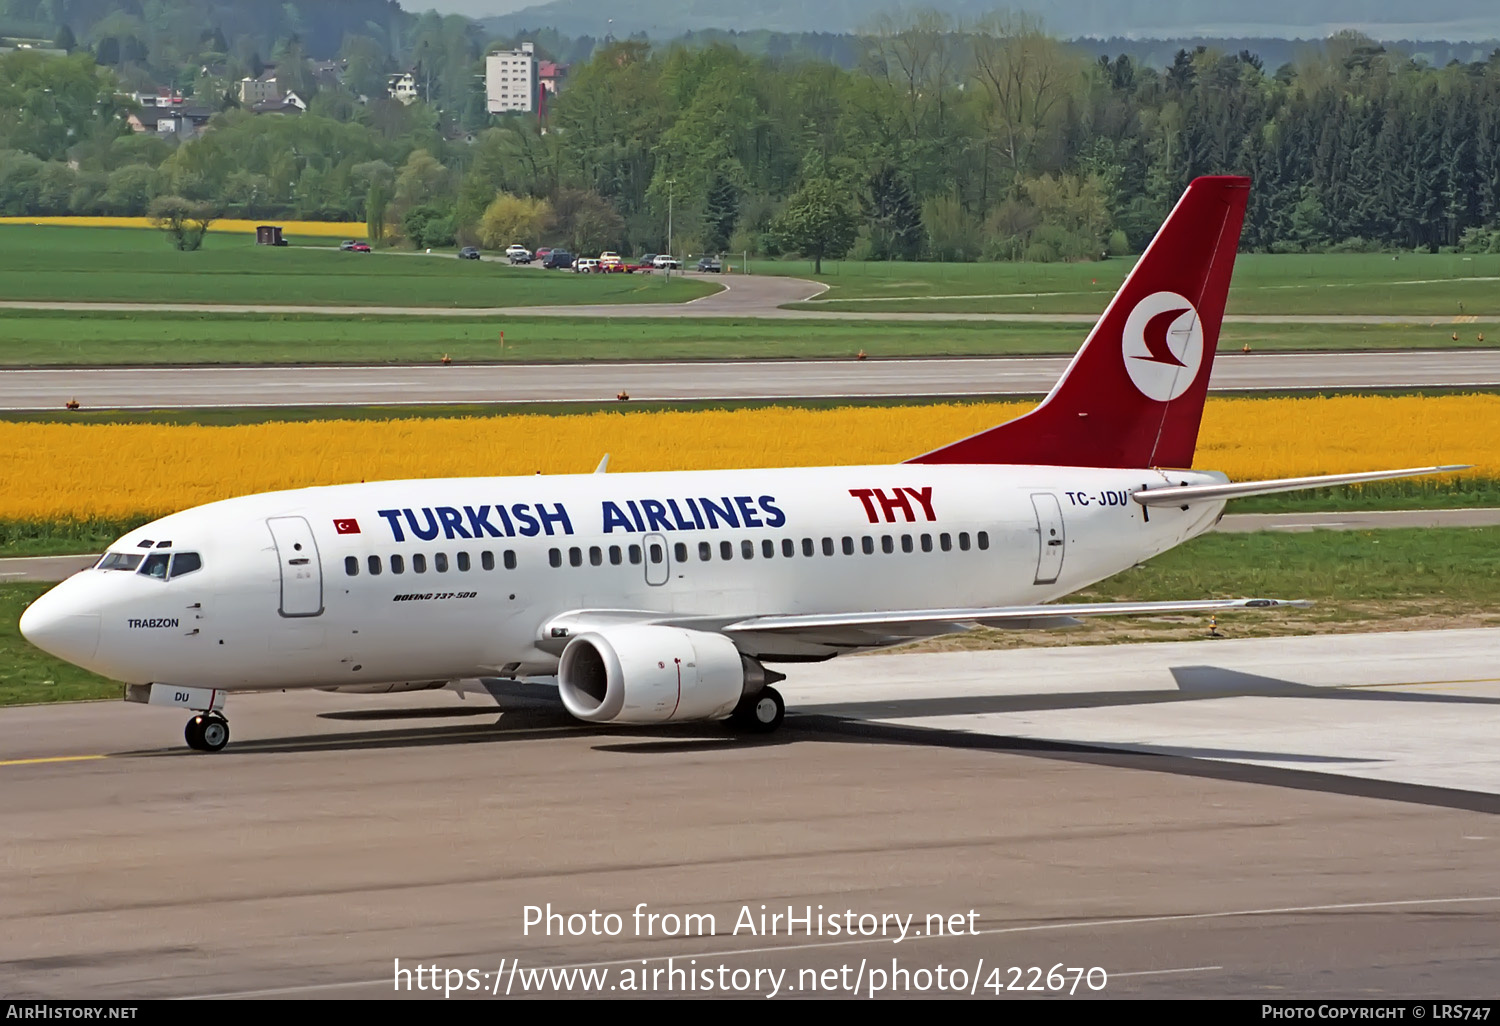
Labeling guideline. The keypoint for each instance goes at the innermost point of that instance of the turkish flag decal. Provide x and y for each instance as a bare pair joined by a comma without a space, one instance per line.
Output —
346,526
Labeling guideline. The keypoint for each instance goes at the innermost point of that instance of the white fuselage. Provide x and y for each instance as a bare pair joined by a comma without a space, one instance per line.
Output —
464,590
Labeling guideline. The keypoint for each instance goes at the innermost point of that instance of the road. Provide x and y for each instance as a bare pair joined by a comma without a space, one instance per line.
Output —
1299,818
98,388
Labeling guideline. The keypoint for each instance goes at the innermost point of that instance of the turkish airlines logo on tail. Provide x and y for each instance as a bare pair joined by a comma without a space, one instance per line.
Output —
1163,346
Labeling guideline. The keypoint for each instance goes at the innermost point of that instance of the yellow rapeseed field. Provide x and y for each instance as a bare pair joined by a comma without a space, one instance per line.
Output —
69,471
339,229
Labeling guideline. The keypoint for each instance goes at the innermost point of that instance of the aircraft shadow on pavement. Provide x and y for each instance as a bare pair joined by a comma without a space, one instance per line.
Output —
1184,761
1194,683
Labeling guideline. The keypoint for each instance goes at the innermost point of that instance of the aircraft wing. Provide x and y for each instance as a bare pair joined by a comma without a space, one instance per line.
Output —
808,636
1182,495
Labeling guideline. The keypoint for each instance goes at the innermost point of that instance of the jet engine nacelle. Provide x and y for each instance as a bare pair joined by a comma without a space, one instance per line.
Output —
651,674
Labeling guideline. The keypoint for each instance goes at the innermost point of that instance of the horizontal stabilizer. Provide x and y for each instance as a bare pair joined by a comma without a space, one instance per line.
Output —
1178,495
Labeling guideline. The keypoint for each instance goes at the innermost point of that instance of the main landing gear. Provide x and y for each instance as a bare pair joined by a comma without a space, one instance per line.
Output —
207,732
759,713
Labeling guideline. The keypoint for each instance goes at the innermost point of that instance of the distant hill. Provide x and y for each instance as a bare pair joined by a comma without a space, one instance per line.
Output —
1139,19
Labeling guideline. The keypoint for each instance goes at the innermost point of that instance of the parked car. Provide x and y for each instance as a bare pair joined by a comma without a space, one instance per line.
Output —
468,253
710,265
648,260
518,254
347,245
360,247
667,263
542,254
585,265
558,258
609,259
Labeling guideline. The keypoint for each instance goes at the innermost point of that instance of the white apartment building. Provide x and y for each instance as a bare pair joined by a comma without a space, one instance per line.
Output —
402,87
510,79
258,90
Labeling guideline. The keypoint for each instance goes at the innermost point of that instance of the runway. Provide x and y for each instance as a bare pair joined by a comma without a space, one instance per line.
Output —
98,388
1276,819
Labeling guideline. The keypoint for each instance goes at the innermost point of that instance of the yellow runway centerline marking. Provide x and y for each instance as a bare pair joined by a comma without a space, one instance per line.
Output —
54,758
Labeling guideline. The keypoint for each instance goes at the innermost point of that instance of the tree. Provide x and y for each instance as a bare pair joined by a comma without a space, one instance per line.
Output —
587,222
514,219
723,212
185,221
65,40
818,222
895,222
427,226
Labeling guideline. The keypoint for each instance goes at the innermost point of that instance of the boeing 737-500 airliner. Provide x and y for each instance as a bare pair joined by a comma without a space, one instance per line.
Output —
661,597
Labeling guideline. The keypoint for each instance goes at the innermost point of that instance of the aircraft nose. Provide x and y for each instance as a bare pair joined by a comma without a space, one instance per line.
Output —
52,626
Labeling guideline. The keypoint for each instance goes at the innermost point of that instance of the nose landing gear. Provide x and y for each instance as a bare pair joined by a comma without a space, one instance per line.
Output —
207,732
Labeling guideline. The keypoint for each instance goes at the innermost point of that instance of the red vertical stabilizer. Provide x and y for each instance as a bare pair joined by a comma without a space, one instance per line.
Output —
1133,396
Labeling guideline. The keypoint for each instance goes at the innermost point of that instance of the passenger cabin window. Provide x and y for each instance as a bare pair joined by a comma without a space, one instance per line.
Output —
440,562
635,555
398,565
827,546
705,551
747,549
807,547
575,556
906,543
351,566
510,559
788,547
374,564
463,562
984,539
887,543
945,542
554,558
726,550
679,552
926,543
867,544
418,563
657,552
963,540
616,555
596,556
848,545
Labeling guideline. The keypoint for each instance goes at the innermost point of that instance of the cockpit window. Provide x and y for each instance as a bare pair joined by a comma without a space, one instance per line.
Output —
144,544
155,565
185,563
119,561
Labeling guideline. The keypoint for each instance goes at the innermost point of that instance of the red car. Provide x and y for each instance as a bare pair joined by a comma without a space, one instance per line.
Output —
360,247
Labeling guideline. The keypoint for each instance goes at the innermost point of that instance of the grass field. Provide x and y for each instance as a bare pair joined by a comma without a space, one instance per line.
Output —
34,338
1373,580
132,265
1435,285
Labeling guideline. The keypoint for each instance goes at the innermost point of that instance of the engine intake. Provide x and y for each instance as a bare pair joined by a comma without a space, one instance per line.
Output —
651,674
